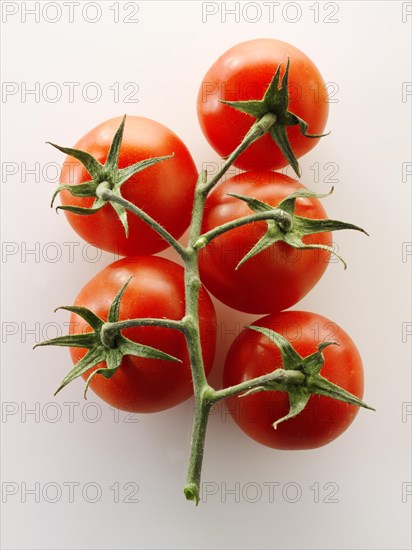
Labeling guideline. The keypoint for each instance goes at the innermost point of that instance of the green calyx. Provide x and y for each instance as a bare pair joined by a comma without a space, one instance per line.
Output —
107,176
101,348
276,101
309,382
286,226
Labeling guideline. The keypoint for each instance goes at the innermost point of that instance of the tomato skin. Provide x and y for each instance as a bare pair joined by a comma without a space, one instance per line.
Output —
252,354
274,279
243,72
156,290
165,190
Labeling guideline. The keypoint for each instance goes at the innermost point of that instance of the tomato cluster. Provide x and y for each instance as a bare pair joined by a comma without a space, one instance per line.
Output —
236,89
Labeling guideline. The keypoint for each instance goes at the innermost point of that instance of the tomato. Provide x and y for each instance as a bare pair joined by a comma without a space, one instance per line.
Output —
253,354
157,291
243,73
277,277
164,190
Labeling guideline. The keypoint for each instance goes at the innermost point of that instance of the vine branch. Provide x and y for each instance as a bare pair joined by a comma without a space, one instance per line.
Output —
108,195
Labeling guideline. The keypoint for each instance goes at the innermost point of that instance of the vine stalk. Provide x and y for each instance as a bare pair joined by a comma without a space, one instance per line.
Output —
107,344
204,394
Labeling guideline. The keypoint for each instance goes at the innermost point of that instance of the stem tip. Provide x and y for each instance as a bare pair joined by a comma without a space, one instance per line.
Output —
192,492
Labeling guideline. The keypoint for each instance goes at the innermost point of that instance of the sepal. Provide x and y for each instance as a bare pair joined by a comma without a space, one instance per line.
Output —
92,165
85,313
97,205
276,101
292,228
298,399
109,351
279,135
87,189
312,383
126,173
108,175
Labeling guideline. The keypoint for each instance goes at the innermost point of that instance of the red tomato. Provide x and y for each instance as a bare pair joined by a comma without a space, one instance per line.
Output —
243,73
253,354
164,191
157,291
274,279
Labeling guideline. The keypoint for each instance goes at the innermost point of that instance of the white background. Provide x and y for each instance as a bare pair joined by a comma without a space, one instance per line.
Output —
365,53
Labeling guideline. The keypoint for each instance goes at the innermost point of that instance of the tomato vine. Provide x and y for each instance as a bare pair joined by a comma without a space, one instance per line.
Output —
299,375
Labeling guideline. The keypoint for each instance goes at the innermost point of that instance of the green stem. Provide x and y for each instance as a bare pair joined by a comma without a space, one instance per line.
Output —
109,330
259,128
203,393
192,288
108,195
279,379
283,219
202,390
192,487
